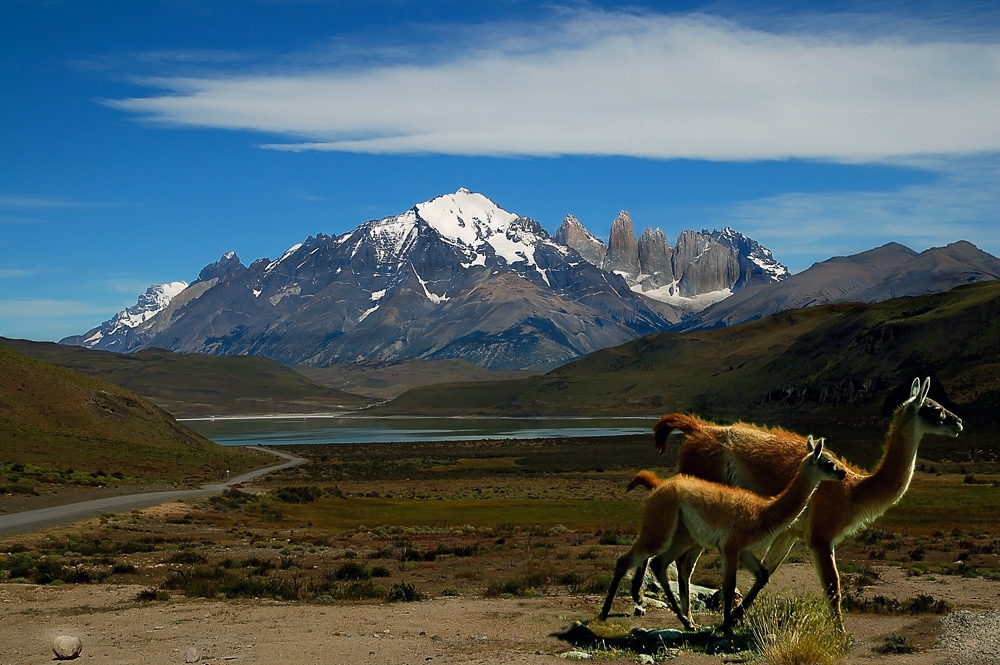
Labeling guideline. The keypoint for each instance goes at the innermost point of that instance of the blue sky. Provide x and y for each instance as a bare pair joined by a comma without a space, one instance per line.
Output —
139,141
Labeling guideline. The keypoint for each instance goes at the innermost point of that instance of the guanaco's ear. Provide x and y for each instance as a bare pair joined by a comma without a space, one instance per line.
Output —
925,390
818,450
915,388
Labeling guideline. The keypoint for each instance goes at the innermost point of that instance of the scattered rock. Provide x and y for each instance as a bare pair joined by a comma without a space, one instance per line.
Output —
192,655
576,655
67,647
645,659
665,635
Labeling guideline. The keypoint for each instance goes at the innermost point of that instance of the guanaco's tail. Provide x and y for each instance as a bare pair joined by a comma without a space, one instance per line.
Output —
645,478
670,422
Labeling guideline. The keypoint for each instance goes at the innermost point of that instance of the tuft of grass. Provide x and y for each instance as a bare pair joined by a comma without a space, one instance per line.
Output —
794,630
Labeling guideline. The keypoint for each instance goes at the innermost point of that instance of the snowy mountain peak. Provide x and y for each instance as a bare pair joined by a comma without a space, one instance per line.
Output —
154,299
465,217
756,253
150,303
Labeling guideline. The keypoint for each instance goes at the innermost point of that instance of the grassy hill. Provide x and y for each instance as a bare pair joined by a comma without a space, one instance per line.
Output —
198,385
823,369
59,426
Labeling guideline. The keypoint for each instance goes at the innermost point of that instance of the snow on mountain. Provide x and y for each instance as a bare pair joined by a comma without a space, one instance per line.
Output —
756,253
155,299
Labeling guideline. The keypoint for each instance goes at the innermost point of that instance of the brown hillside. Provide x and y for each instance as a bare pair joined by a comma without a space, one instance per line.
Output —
56,418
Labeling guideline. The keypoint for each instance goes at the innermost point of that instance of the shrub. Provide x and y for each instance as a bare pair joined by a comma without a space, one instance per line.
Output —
788,630
47,570
894,644
352,571
405,592
231,499
187,557
298,494
149,595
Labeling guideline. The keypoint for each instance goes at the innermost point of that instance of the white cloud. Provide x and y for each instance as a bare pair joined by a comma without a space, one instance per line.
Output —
617,84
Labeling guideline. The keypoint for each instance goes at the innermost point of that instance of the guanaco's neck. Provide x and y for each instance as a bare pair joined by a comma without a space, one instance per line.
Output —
892,476
789,504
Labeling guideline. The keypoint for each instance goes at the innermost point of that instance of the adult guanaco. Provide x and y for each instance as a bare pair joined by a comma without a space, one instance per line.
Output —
685,513
763,460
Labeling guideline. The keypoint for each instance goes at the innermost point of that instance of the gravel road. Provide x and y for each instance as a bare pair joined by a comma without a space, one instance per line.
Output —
33,520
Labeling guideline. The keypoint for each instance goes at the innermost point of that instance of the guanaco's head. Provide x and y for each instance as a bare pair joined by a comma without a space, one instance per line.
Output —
931,417
827,468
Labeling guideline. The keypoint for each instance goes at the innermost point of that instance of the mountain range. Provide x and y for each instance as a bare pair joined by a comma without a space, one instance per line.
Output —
458,277
453,277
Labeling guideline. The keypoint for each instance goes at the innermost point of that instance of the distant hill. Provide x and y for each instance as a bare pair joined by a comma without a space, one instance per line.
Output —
834,365
889,271
189,385
56,418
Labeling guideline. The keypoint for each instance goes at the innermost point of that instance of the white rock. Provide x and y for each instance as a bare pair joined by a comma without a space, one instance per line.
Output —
192,655
67,647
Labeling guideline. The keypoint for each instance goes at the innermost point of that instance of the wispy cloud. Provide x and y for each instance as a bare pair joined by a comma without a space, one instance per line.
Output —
622,84
47,319
963,204
48,309
31,203
10,271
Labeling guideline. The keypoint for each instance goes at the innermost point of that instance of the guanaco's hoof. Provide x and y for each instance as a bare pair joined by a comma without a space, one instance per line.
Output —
640,611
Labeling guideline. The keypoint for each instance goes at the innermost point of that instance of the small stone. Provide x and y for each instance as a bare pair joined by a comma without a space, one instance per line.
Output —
192,655
437,638
67,647
645,659
576,655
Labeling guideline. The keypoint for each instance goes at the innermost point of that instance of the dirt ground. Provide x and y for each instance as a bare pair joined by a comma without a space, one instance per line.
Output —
399,491
115,629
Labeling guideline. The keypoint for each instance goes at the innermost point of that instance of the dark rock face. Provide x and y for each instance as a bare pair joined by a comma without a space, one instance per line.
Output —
702,265
623,248
571,233
654,252
228,266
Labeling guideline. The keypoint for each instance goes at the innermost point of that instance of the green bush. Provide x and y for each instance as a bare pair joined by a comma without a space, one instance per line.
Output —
298,494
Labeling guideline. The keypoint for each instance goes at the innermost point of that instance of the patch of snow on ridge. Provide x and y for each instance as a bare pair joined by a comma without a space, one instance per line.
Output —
433,297
288,252
393,235
687,303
